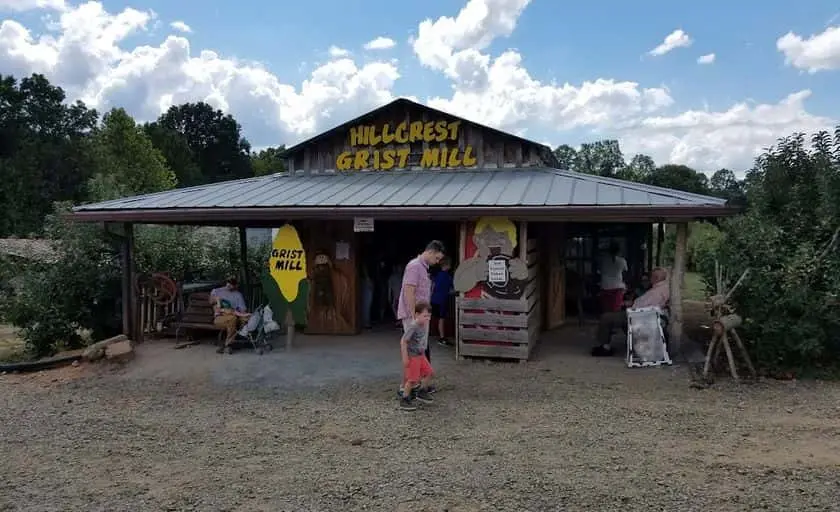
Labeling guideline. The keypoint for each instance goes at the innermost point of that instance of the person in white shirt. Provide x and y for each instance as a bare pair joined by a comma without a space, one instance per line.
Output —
612,270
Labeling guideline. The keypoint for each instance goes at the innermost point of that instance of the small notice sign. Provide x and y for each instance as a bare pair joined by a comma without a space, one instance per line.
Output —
363,224
497,271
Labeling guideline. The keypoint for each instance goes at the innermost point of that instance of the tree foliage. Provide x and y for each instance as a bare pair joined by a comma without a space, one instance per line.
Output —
44,154
789,240
214,140
126,161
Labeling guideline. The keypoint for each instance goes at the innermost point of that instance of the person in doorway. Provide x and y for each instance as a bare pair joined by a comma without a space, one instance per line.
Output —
367,297
612,270
417,370
441,291
229,311
394,286
416,287
657,296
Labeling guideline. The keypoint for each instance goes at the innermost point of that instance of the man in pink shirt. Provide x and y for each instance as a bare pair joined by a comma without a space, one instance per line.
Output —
658,296
417,285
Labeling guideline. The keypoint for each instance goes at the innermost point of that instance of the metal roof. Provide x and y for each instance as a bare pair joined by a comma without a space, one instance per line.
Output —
399,193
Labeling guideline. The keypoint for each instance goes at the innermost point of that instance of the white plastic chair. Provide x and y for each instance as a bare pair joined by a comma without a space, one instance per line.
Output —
646,338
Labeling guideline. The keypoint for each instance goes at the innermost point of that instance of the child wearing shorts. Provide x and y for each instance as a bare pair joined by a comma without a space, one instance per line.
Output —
417,370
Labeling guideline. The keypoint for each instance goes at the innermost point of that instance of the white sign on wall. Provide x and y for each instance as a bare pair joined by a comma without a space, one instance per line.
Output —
497,271
363,224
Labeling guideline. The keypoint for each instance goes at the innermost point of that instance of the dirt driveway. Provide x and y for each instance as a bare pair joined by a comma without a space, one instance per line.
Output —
317,429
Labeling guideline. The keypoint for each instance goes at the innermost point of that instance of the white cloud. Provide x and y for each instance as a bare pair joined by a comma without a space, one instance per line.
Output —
28,5
380,43
713,140
83,55
84,50
180,26
674,40
820,52
709,58
337,53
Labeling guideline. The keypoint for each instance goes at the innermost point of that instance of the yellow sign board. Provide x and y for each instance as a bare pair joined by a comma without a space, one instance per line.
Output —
287,262
366,154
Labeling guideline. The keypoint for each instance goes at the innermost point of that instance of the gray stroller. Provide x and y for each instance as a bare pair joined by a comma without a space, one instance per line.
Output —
260,328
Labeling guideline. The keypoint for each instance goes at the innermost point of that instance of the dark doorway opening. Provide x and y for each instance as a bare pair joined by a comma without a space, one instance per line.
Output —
384,253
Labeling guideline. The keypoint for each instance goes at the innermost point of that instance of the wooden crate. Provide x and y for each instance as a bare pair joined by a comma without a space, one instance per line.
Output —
495,328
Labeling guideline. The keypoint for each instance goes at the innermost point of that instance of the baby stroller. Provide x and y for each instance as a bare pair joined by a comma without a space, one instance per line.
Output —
259,329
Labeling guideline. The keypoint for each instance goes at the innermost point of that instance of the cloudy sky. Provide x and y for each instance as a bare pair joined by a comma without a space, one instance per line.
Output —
707,84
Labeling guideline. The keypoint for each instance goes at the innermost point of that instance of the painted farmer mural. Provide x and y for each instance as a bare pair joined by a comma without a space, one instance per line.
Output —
495,240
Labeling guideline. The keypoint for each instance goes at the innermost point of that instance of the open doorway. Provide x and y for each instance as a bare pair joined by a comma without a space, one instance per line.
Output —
384,253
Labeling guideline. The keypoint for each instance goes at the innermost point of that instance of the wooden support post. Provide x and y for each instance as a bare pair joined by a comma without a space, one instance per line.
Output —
676,283
243,256
290,328
649,246
660,240
127,279
462,255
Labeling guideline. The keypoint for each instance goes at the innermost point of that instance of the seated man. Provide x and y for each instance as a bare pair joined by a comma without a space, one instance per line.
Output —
657,296
229,311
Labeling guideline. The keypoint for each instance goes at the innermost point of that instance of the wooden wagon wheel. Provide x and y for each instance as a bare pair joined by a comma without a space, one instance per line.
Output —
163,288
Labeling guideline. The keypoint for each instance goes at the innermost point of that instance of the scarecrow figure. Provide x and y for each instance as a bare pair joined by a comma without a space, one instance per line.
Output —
495,240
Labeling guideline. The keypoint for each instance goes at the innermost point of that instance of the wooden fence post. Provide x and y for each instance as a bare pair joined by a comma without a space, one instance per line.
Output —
676,283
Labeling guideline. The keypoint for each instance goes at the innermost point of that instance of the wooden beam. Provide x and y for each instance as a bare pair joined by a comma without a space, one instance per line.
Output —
660,239
243,256
649,247
127,278
677,283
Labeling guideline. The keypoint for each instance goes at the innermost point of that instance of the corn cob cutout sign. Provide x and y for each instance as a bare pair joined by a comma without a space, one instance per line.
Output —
285,284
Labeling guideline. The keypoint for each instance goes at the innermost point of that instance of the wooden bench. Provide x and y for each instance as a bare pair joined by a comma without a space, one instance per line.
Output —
197,316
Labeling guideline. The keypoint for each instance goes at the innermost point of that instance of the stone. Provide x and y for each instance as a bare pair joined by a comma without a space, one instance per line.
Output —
96,351
121,351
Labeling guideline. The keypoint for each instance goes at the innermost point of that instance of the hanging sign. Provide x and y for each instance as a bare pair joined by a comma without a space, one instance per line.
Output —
363,224
497,271
287,263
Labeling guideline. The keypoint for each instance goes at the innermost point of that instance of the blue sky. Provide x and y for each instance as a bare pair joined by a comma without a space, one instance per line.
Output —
558,43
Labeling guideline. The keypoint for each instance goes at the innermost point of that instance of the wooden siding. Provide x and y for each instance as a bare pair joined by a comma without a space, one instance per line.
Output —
490,149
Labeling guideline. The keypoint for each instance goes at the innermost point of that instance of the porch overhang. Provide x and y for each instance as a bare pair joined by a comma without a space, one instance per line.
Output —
272,216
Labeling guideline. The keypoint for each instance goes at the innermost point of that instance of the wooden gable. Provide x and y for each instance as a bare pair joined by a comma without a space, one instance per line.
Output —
405,135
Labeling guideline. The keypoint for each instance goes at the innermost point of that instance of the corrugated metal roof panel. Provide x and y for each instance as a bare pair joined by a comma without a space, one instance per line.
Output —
490,187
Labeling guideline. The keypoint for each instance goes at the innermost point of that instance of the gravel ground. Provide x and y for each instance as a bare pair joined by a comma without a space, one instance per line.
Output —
318,429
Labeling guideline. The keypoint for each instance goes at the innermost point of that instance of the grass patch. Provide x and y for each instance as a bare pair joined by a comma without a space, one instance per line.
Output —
12,348
694,289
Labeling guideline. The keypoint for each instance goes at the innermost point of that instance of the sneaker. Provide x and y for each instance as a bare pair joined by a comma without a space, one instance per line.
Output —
444,342
424,396
407,405
431,390
602,351
228,350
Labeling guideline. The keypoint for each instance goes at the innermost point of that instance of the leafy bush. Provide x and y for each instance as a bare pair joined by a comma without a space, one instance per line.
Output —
789,240
81,291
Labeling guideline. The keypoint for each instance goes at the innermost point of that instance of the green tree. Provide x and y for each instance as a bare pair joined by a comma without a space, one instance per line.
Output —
268,161
177,153
44,155
640,168
679,177
603,158
789,240
566,157
214,139
127,163
723,183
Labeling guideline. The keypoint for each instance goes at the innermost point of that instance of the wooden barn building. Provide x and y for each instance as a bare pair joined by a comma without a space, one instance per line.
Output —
369,194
